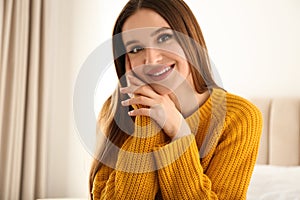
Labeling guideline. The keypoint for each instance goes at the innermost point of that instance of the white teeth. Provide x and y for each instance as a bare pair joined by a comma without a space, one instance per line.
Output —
162,71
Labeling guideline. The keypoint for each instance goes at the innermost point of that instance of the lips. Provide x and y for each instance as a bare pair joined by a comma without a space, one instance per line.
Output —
160,72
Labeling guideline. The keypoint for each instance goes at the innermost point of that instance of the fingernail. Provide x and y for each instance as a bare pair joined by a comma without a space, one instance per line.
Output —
122,90
130,112
124,103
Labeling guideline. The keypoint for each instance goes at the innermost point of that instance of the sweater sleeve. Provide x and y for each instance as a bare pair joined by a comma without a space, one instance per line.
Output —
231,162
134,176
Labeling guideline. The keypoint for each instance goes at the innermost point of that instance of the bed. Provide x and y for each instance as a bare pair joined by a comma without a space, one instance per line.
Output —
277,172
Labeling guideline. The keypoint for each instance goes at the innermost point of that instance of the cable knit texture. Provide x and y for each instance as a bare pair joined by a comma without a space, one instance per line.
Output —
214,162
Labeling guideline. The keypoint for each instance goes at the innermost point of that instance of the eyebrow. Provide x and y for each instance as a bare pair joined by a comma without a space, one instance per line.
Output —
159,30
152,34
131,42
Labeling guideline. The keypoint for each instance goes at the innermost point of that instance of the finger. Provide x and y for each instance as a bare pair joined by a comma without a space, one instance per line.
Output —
142,100
135,81
144,90
141,111
129,89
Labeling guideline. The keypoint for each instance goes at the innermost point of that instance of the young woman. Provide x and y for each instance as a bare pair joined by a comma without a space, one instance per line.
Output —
178,134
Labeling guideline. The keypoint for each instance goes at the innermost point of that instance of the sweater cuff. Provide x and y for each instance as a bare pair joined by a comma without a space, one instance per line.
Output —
168,154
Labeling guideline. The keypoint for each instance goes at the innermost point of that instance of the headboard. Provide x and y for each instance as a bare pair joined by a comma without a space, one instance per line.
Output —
280,141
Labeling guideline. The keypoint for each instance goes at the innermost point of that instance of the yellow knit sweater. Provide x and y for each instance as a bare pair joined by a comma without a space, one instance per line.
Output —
214,162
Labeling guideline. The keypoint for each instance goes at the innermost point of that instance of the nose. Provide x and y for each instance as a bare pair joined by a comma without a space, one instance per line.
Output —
153,56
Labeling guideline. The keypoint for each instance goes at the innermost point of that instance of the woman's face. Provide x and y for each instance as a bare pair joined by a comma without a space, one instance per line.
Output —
153,53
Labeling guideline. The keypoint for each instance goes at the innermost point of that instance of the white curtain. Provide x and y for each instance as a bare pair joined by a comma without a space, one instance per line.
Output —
23,100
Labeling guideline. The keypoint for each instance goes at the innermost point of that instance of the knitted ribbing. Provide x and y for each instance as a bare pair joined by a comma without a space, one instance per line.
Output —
214,162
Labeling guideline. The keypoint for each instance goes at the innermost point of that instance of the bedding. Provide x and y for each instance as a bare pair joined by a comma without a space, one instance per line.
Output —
271,182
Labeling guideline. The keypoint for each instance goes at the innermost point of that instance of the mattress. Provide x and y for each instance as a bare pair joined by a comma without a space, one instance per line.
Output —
270,182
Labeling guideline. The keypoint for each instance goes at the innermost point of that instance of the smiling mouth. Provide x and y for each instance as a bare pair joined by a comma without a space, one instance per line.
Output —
161,72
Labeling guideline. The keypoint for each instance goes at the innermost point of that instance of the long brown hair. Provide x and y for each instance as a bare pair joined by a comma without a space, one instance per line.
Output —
181,19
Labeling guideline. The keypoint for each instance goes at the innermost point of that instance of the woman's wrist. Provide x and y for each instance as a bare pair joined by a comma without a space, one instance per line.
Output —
182,131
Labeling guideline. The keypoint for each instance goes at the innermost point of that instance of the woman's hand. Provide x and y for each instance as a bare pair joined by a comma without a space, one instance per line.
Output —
159,107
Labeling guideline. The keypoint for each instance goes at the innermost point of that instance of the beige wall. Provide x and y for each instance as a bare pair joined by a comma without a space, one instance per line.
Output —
254,44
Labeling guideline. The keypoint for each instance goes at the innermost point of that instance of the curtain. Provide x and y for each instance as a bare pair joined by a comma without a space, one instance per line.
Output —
23,100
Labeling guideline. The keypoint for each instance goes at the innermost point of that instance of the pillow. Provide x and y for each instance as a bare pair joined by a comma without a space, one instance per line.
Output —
274,182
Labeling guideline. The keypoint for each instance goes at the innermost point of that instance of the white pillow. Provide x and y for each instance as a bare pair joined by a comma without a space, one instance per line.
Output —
274,183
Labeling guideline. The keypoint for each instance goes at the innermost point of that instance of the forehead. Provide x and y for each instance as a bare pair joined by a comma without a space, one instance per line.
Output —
144,18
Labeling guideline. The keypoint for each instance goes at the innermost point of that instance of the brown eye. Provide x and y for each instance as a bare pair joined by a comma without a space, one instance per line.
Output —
136,49
164,37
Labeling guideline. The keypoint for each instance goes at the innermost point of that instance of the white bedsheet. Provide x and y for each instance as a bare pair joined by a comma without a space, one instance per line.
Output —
274,183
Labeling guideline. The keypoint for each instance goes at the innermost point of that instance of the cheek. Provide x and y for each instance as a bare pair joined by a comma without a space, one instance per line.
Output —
127,68
136,59
127,63
136,64
130,64
183,67
177,53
